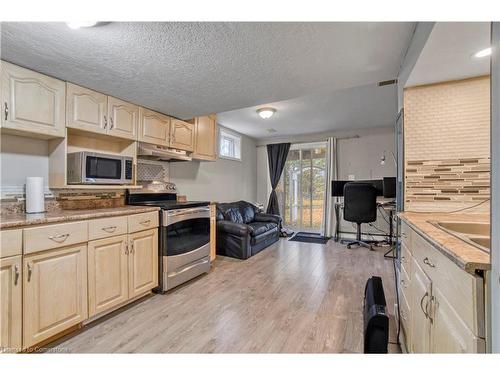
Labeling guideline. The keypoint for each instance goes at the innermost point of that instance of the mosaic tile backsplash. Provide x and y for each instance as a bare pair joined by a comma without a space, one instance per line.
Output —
462,181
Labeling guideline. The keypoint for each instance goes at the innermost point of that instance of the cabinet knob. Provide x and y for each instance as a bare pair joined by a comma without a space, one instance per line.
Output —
6,111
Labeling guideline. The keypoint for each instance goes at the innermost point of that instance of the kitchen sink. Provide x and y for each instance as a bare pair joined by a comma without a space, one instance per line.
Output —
481,229
476,234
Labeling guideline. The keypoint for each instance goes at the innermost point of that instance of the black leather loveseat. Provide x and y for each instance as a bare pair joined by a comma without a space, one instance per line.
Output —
243,231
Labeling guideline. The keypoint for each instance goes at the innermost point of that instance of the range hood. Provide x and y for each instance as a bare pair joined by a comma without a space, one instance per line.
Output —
153,152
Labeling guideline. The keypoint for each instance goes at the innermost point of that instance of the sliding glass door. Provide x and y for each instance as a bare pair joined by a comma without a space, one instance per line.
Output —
301,191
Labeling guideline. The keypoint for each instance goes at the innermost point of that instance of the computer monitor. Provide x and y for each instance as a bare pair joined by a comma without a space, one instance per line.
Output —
389,187
338,188
377,184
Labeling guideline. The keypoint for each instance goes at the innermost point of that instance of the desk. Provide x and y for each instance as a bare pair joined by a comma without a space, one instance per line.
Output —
388,207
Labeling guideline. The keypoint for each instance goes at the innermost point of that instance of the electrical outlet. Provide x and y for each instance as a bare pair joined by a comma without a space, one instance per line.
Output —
351,177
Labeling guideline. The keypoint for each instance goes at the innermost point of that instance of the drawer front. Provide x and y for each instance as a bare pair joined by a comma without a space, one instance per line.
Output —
54,236
11,242
406,320
405,284
138,222
107,227
406,258
406,233
463,291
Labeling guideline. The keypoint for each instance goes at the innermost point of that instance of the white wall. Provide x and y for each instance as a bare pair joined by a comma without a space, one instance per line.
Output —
22,157
221,181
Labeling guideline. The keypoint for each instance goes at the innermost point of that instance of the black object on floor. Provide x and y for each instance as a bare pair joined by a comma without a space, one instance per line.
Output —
376,321
309,237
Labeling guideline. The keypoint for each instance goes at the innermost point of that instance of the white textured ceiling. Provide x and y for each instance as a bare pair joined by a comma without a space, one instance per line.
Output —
187,69
355,108
448,53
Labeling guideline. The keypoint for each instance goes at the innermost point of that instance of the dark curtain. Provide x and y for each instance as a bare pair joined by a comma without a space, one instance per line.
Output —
276,155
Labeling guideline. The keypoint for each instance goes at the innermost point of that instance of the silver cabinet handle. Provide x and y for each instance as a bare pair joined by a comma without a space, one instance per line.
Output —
404,235
105,122
145,222
403,315
126,249
16,274
111,123
30,271
59,237
109,229
422,307
131,247
428,262
6,111
404,283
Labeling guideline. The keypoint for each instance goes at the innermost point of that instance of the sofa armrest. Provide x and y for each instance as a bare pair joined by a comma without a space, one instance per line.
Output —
234,228
262,217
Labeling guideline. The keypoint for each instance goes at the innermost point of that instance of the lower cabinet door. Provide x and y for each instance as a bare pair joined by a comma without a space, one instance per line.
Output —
11,296
55,292
143,262
449,333
108,273
420,322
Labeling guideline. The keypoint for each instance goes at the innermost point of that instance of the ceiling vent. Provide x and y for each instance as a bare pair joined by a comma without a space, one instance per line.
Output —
387,83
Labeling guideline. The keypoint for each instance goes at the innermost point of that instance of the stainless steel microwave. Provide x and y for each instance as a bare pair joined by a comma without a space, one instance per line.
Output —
86,167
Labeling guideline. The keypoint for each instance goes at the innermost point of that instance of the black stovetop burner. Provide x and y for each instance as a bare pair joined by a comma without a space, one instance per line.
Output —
166,201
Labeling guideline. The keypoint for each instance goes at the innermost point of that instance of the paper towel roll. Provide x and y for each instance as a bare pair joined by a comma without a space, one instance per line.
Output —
35,199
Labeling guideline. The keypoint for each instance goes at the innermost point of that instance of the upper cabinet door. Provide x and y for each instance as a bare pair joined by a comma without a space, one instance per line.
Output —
181,135
123,118
153,127
205,138
32,102
86,109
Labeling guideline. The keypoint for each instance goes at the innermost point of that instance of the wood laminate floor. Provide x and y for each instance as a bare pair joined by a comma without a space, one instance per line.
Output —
293,297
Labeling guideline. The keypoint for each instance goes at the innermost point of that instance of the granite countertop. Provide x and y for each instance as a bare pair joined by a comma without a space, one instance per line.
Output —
466,256
17,220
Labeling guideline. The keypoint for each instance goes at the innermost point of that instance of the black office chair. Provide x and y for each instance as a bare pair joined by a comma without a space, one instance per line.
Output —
360,206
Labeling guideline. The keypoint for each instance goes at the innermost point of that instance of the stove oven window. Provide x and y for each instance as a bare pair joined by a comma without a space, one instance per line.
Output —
187,235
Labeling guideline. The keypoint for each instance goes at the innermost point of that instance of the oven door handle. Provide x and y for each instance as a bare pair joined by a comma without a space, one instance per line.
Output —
188,211
174,216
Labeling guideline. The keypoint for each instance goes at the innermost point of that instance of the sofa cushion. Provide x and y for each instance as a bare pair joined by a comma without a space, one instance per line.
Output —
261,227
234,215
248,214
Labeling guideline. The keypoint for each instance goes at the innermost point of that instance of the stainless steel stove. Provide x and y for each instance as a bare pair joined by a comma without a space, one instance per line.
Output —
184,238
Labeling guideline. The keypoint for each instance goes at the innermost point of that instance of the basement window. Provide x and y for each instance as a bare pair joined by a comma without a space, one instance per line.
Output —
229,145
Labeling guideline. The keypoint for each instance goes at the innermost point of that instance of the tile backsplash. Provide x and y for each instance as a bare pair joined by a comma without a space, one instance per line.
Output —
447,145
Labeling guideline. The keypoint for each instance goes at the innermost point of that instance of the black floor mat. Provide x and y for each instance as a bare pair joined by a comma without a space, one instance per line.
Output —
309,237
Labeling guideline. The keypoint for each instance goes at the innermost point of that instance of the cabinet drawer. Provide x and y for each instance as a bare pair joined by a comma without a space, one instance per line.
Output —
406,233
406,320
138,222
11,242
406,260
463,291
107,227
54,236
405,284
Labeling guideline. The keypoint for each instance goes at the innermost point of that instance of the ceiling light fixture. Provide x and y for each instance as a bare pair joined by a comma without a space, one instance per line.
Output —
266,112
483,53
77,25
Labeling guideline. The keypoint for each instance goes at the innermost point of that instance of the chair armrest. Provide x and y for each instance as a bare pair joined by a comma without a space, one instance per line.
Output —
234,228
262,217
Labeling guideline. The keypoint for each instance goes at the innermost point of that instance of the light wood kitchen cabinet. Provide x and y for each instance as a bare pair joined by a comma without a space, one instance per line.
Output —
107,273
11,304
154,127
32,103
86,109
444,304
420,323
143,262
55,292
449,333
11,242
123,118
205,141
181,135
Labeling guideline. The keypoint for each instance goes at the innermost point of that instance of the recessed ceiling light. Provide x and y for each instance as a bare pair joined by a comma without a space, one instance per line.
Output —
77,25
483,53
266,112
